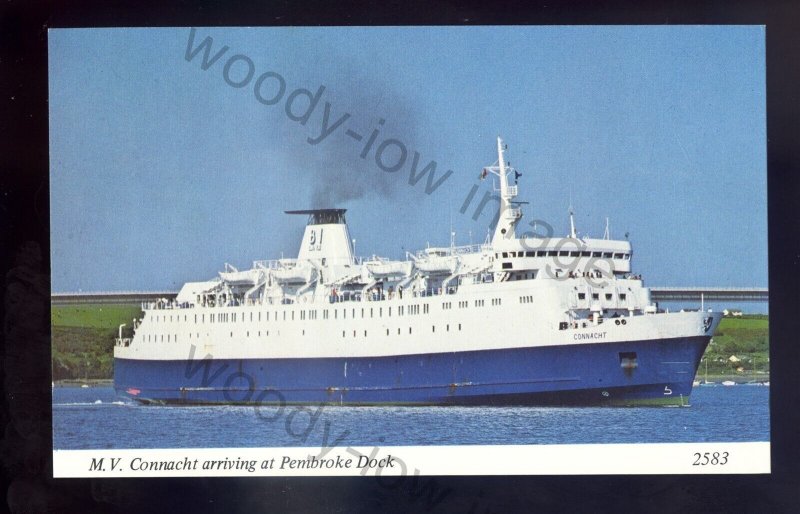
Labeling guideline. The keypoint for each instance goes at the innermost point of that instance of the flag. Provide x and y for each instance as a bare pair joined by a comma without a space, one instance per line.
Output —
517,175
483,174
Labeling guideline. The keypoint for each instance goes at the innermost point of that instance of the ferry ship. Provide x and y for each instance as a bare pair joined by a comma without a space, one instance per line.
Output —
512,321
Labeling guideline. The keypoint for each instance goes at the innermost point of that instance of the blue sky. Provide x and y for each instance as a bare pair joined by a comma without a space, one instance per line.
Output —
161,171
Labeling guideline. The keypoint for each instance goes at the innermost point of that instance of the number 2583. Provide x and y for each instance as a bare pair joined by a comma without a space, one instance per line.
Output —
710,458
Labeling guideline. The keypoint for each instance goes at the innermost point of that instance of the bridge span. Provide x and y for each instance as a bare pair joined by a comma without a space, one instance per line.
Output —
710,294
658,294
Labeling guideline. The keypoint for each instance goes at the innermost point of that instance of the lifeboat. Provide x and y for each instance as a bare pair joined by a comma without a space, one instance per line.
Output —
446,264
293,275
245,278
380,268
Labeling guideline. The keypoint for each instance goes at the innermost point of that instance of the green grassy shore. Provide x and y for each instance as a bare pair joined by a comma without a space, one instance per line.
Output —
83,339
83,344
739,350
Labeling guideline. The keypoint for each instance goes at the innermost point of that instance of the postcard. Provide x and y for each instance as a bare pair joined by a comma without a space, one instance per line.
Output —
409,251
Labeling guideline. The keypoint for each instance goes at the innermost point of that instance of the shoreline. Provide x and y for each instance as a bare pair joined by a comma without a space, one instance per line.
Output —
91,382
734,377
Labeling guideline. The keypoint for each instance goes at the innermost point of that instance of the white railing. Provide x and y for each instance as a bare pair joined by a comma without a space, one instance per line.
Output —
266,264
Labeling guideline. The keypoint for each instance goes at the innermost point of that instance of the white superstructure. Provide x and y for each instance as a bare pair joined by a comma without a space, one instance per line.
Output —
509,292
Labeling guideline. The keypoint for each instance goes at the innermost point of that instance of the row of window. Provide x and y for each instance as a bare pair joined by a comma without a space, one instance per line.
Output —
526,299
562,253
399,330
596,296
311,314
154,338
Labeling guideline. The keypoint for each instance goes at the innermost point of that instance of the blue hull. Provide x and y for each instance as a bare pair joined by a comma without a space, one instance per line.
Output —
630,373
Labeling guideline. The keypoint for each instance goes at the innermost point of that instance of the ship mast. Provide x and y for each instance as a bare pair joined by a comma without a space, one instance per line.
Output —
509,212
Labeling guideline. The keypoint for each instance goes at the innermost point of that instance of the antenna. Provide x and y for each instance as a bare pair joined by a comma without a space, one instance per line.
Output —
607,233
571,215
452,232
571,222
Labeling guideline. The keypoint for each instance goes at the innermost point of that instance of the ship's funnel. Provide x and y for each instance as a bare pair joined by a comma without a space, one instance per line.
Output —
326,237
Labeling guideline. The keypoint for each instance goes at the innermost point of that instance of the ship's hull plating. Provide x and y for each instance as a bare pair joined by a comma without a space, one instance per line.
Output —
655,372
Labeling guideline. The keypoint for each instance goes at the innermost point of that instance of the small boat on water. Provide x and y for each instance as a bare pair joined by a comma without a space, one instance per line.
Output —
729,383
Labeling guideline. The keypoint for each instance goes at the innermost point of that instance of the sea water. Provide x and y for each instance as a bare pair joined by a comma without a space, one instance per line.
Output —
93,417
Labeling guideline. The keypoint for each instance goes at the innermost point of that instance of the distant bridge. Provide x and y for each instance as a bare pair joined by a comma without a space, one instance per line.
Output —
110,297
710,294
658,294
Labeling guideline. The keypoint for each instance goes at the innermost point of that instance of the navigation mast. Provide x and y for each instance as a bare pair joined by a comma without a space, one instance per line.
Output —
510,214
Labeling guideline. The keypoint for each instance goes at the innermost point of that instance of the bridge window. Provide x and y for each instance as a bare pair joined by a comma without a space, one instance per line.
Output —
585,254
607,255
530,254
596,254
618,256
